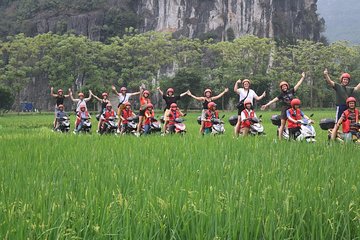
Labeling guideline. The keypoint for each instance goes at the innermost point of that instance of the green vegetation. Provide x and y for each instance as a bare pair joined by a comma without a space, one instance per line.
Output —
70,61
100,187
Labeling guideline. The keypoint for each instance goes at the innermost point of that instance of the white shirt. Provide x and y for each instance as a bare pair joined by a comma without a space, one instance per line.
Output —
79,103
122,98
242,94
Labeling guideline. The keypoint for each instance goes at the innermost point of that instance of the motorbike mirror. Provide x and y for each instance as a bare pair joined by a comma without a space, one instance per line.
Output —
260,116
223,116
185,114
311,115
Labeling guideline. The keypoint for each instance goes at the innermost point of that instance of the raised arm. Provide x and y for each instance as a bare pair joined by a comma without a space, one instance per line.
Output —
299,82
328,79
52,92
236,86
258,98
96,97
89,98
114,90
195,97
184,93
263,107
357,88
134,93
161,92
71,96
220,95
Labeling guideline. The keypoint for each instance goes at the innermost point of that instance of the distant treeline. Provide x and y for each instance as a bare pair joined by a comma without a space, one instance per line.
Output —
157,59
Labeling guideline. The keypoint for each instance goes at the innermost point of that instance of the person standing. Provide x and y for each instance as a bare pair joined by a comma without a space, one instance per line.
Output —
245,93
342,91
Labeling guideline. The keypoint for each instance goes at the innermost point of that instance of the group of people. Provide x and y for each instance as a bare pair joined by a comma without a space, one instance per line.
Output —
290,106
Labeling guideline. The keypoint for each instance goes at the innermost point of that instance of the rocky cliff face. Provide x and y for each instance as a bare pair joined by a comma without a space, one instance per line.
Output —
219,19
227,19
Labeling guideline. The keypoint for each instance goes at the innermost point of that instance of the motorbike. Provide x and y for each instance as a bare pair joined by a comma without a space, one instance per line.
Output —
109,126
307,131
86,127
155,126
178,127
328,125
131,125
256,127
218,126
63,124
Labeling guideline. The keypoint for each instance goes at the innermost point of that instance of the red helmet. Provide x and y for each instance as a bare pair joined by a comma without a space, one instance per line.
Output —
80,94
170,90
104,94
295,101
60,90
211,105
150,106
349,100
173,105
246,80
61,106
123,89
108,105
247,101
127,104
207,90
283,83
345,75
146,92
82,106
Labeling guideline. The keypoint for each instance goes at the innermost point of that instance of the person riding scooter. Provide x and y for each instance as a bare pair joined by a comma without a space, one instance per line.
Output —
125,114
294,116
349,117
246,115
210,115
80,118
172,115
149,115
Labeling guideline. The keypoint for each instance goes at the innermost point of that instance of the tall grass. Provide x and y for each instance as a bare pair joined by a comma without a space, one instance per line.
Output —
103,187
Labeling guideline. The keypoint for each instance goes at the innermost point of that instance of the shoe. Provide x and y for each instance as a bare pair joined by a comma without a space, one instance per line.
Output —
74,132
118,131
137,134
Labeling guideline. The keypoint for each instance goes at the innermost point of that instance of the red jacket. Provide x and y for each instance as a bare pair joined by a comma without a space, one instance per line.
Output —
148,116
208,116
346,121
126,114
296,115
108,114
173,115
247,123
78,115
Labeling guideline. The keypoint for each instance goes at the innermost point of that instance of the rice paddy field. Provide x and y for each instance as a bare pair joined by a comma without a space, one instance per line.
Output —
66,186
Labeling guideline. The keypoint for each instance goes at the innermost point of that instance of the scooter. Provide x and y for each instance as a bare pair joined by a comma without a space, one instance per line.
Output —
155,126
256,128
328,125
218,126
109,126
86,127
178,127
64,124
131,125
307,130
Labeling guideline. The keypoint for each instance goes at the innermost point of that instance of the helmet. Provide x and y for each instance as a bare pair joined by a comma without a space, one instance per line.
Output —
173,105
295,101
127,104
150,106
123,89
345,75
61,106
60,90
211,105
108,105
247,101
104,94
80,94
146,92
350,99
170,90
283,83
245,80
207,90
82,106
